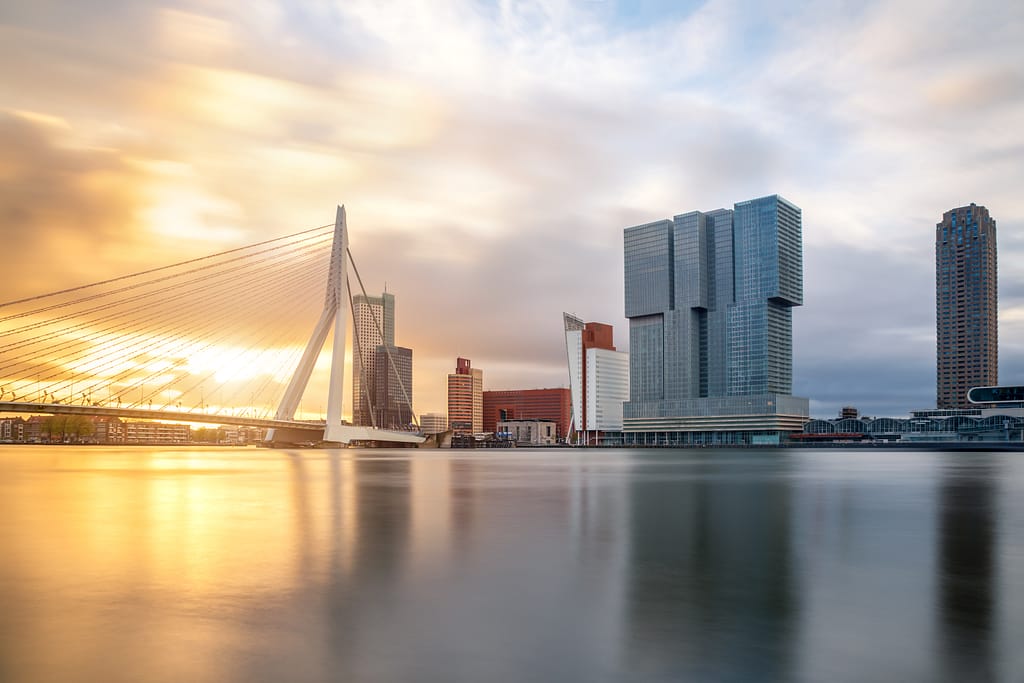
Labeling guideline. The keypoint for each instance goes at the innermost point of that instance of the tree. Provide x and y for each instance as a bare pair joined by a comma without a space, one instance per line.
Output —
60,428
48,427
79,426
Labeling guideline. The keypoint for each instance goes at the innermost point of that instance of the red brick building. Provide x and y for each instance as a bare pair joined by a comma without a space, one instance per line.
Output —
527,404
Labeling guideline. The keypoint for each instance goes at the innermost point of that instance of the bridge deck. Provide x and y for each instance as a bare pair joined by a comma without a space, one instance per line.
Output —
315,430
147,414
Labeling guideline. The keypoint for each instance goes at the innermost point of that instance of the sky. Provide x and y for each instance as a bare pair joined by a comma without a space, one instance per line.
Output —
489,155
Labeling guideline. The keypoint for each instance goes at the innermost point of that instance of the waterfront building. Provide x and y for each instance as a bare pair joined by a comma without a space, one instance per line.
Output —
157,432
238,435
108,430
465,398
966,304
598,379
709,298
12,430
527,404
943,425
529,432
373,324
433,423
34,432
392,395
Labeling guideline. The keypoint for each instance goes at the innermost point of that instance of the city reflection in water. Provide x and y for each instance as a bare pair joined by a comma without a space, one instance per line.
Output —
256,565
712,594
967,552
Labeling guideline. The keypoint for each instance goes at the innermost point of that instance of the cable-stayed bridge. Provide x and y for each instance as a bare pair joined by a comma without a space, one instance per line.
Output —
221,339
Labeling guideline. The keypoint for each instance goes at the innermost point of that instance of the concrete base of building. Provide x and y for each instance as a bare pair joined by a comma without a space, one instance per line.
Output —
706,439
762,420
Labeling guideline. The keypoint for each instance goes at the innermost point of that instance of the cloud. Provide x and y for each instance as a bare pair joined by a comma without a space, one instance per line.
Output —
59,207
490,155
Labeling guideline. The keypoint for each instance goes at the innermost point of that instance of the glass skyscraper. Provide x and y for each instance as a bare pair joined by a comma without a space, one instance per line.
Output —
966,305
373,325
709,297
392,396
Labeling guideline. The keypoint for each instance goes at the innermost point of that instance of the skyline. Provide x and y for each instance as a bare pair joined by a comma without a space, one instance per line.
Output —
497,149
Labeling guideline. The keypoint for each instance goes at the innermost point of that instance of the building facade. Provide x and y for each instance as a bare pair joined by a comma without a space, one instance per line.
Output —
939,425
157,432
598,379
373,324
392,395
966,305
527,404
465,398
433,423
529,432
709,298
12,430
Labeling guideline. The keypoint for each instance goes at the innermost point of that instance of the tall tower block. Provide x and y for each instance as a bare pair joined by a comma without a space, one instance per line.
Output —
966,305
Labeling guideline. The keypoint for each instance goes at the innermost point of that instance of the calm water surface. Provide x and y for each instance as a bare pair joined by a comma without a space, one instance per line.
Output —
198,565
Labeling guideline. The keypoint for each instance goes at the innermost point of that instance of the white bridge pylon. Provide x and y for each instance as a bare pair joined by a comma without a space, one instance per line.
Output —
336,313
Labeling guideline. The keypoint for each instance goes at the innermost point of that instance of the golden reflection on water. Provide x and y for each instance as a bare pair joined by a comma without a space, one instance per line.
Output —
172,541
136,564
431,513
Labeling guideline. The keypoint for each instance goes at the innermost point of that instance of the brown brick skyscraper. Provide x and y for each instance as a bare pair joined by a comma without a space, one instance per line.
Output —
966,304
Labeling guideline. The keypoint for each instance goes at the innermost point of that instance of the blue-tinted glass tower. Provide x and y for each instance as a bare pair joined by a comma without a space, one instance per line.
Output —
709,297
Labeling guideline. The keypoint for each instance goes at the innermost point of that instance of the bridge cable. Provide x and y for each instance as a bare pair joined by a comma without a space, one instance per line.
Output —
161,268
362,364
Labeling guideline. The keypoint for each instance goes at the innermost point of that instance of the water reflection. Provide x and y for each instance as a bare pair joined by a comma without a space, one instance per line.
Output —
967,553
131,564
712,590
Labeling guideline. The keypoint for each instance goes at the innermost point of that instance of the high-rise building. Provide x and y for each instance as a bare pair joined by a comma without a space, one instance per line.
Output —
598,378
373,324
465,398
392,396
966,305
709,297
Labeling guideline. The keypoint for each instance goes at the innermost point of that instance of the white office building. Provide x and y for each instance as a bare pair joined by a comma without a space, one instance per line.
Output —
598,380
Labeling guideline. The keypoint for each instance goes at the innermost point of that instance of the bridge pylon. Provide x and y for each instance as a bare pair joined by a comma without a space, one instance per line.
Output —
335,313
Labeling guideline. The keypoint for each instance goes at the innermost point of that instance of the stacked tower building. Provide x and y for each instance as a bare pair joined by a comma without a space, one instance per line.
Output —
709,297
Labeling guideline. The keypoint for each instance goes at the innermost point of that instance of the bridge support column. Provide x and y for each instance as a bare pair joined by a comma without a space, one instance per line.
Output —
335,311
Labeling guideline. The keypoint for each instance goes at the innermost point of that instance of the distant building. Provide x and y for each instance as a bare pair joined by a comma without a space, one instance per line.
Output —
938,425
709,297
34,432
433,423
598,378
238,435
465,398
529,432
392,396
157,432
373,324
966,305
848,411
527,404
108,430
12,429
92,429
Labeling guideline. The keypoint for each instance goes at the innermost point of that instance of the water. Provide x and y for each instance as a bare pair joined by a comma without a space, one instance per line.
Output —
150,564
